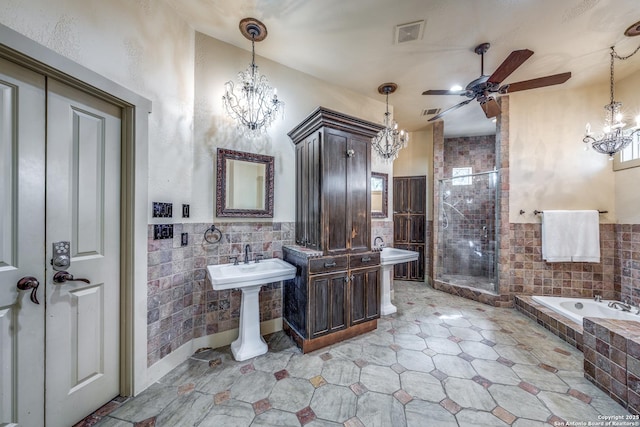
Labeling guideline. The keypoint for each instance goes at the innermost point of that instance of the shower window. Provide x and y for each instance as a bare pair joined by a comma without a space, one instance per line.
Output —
466,252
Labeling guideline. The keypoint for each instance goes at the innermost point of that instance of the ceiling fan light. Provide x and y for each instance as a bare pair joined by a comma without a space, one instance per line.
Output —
456,87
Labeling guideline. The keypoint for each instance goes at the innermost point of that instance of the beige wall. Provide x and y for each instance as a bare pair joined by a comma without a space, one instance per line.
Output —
144,47
626,181
218,62
549,168
147,48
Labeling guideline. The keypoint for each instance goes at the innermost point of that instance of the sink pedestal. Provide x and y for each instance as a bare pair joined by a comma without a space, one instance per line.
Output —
249,343
386,307
389,257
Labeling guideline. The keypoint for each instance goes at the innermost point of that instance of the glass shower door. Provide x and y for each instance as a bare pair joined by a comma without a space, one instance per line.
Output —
466,253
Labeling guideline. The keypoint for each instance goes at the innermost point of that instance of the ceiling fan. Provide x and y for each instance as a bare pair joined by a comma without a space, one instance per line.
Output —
482,88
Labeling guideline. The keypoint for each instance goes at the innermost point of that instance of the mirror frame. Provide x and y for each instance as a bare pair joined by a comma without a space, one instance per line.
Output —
221,184
385,195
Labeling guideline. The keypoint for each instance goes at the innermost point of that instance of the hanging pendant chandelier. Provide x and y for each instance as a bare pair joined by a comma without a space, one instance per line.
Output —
251,101
389,141
614,137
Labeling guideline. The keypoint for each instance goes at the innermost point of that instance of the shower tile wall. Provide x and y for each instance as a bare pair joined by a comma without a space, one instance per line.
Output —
476,202
627,266
181,304
479,152
530,275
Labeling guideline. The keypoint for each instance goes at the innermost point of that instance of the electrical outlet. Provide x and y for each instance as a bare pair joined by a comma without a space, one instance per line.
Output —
162,231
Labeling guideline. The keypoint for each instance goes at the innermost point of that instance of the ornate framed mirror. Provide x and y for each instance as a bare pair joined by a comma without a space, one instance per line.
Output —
379,194
244,186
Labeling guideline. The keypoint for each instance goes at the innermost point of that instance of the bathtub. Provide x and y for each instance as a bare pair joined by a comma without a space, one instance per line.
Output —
570,308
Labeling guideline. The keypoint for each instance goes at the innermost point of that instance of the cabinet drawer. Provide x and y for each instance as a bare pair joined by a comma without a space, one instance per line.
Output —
327,264
365,259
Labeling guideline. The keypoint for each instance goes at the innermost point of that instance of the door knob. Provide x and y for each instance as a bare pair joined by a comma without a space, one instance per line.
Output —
63,277
29,282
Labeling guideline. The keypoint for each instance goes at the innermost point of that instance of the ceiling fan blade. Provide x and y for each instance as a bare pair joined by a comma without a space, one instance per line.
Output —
509,65
490,108
455,107
444,92
555,79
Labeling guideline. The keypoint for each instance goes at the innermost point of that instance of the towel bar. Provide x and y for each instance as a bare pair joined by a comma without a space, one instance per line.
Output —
536,212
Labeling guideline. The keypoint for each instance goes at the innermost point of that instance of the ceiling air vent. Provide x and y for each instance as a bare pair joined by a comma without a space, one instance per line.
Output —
409,32
430,111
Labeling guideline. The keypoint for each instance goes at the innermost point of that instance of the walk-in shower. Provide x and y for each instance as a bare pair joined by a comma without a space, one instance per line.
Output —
466,243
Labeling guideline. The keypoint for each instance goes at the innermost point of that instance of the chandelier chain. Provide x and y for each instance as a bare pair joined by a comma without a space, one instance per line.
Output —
624,57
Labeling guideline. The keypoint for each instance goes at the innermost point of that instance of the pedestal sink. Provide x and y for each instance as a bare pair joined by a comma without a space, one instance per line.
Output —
249,278
388,258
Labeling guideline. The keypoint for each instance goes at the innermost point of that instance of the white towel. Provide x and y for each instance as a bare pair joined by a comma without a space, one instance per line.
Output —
586,226
571,236
555,243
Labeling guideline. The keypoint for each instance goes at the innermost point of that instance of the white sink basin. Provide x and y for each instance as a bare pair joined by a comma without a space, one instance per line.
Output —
229,276
249,278
391,256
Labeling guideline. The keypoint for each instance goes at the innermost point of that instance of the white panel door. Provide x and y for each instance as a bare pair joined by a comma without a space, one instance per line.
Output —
83,207
22,198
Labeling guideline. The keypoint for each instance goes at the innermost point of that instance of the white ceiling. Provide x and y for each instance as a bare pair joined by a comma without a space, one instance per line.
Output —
350,43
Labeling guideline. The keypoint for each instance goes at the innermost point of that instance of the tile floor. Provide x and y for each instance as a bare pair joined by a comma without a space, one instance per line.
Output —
440,361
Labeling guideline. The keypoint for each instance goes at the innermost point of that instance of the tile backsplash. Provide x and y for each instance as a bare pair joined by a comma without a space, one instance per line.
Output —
181,304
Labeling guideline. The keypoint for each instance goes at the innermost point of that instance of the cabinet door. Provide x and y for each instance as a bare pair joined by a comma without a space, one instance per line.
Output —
308,192
327,303
365,294
334,191
417,203
401,228
413,270
358,190
416,228
400,195
301,193
313,224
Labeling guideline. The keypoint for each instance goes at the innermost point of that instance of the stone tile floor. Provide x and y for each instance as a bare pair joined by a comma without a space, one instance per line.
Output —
440,361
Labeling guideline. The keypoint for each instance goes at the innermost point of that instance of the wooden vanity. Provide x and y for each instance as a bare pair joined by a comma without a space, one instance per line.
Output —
336,292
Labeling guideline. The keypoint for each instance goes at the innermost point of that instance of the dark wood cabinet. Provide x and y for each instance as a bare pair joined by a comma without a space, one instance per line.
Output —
328,303
409,224
336,292
365,295
413,270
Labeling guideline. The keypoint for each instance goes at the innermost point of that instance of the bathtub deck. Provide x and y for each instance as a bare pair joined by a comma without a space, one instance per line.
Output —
611,349
558,324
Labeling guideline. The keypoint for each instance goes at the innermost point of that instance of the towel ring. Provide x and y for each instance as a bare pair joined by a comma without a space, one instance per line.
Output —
212,234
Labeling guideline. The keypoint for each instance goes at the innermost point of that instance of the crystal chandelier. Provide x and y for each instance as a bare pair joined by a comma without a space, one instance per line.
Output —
389,140
251,101
614,137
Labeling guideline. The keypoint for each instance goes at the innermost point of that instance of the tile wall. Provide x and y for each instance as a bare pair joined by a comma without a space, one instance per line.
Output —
181,304
627,265
384,229
611,354
478,152
530,275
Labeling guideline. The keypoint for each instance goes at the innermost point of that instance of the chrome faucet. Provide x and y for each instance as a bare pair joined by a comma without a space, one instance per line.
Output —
597,298
622,306
375,242
247,249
